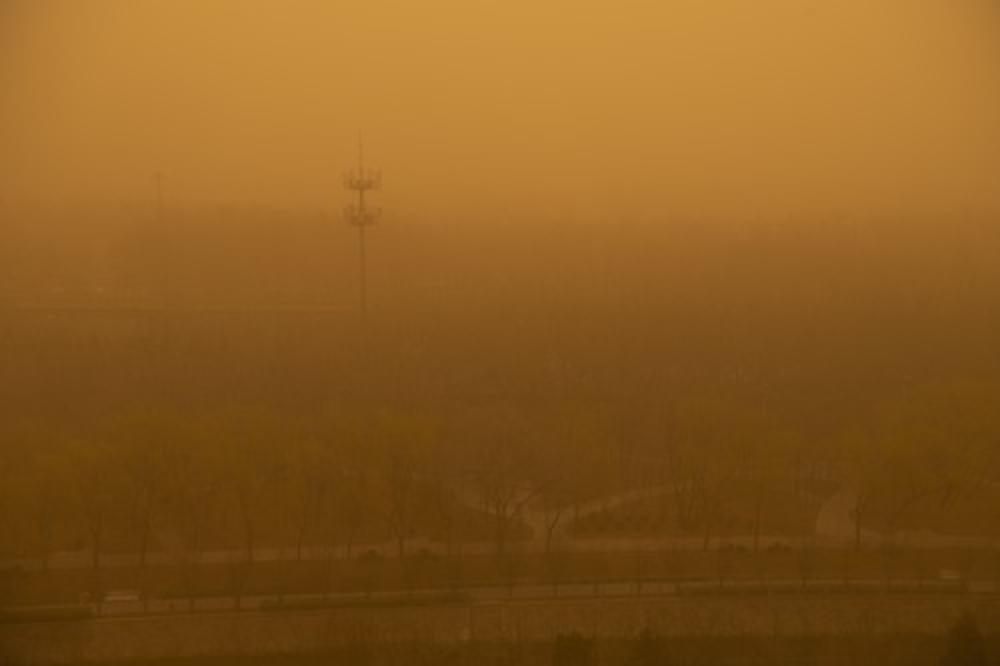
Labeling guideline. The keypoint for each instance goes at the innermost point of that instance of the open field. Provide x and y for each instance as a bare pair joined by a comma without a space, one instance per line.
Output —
738,629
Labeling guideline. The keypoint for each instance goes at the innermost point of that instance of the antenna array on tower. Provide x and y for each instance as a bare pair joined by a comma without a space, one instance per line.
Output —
361,181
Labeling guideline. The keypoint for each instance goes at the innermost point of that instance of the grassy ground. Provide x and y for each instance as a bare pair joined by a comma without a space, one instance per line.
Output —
911,650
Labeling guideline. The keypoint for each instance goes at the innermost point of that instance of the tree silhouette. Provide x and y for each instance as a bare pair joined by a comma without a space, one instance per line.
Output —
572,649
648,650
965,643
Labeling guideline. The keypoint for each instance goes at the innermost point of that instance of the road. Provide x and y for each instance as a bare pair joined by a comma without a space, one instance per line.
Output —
486,594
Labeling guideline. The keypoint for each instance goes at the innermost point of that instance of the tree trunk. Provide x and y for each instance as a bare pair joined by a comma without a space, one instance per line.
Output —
249,536
240,569
550,529
501,534
349,545
193,578
758,509
194,557
95,537
857,527
144,539
299,541
46,537
707,534
331,558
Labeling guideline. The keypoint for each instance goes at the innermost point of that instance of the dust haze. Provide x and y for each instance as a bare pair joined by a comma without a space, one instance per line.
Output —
484,332
648,109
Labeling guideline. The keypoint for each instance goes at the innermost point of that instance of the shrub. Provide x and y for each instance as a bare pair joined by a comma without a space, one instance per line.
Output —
965,644
572,649
648,650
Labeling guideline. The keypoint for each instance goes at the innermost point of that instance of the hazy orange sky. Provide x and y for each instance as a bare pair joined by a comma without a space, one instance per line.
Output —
601,108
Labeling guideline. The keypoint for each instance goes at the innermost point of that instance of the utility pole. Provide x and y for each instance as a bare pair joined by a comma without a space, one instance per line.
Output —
160,264
362,216
158,182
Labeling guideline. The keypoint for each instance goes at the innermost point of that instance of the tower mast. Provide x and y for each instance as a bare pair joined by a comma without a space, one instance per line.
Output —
361,216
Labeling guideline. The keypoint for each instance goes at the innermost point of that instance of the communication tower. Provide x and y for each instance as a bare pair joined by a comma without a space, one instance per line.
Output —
360,215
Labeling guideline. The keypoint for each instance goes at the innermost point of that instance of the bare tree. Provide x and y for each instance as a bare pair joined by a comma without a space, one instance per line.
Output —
401,441
95,486
503,493
554,505
352,497
195,496
401,494
442,501
95,489
703,454
308,485
246,448
146,443
44,489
